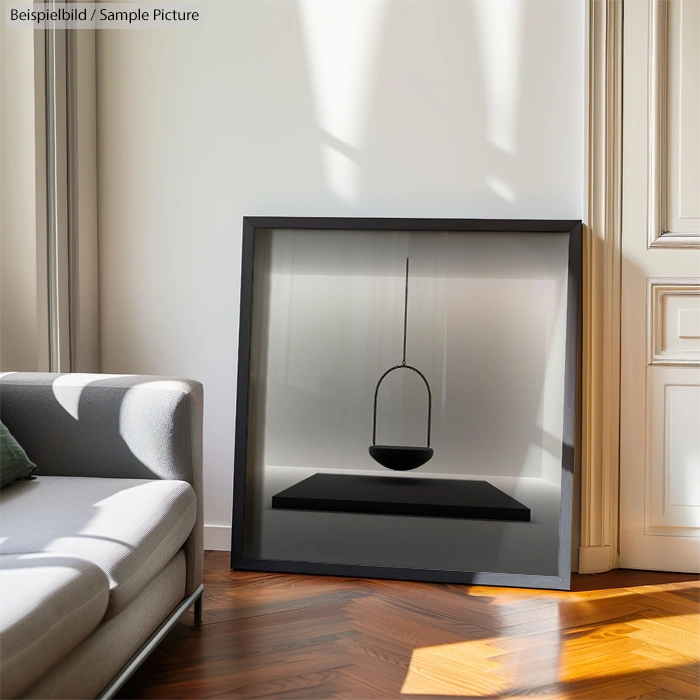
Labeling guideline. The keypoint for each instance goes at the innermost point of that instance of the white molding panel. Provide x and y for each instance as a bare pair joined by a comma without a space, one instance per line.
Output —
673,306
673,457
673,216
656,154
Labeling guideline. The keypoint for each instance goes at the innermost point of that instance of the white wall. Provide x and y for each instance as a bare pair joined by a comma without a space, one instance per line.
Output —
18,235
312,107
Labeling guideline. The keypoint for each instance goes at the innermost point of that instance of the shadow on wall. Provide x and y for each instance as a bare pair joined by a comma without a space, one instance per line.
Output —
409,107
446,91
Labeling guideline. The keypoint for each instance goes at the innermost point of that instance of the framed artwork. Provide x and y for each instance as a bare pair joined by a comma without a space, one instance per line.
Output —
406,402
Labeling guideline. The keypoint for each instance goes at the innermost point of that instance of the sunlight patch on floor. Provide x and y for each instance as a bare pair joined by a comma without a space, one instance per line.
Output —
561,660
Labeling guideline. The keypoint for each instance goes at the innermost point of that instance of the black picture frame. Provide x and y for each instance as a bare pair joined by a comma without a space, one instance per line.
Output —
570,228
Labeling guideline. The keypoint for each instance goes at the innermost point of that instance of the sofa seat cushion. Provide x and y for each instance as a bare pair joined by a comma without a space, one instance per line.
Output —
130,528
50,604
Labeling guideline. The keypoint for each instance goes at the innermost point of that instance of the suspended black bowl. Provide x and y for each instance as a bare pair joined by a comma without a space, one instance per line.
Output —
400,459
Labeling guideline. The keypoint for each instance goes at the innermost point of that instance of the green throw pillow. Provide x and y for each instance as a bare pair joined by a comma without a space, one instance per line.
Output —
14,463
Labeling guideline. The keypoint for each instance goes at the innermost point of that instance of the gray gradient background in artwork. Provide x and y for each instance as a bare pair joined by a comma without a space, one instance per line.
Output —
487,317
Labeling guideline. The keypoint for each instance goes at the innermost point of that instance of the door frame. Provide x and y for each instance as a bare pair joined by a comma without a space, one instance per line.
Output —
602,266
65,96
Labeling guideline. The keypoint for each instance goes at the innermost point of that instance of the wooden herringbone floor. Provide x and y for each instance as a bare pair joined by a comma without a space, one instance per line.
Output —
625,634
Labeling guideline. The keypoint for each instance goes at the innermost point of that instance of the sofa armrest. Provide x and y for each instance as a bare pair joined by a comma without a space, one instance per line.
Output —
118,426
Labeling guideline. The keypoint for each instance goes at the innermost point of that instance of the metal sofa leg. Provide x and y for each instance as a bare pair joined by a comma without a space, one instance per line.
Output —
199,608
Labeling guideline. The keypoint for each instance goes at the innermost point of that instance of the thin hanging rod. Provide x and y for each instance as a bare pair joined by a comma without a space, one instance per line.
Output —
403,365
405,315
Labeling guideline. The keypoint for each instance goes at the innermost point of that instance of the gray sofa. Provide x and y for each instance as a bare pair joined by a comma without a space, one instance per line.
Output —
102,552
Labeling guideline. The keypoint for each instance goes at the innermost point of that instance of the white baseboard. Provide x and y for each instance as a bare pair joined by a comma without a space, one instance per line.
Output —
217,537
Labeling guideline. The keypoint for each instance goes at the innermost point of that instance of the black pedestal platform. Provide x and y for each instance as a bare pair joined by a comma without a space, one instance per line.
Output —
442,498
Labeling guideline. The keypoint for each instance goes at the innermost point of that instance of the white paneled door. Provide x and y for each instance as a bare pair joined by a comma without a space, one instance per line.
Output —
660,360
